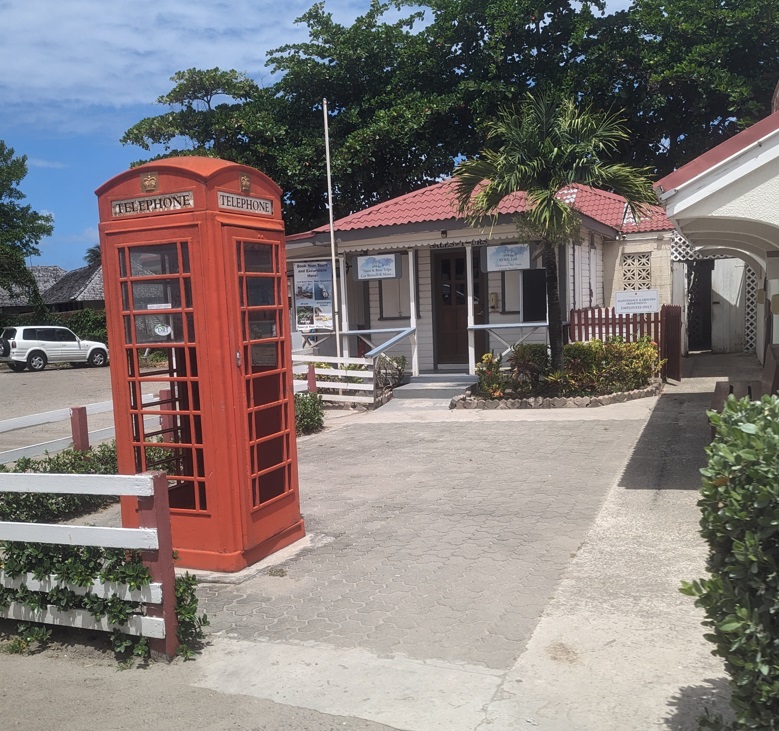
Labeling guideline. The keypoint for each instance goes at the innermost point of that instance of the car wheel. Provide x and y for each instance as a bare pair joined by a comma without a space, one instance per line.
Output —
17,367
36,361
5,348
98,358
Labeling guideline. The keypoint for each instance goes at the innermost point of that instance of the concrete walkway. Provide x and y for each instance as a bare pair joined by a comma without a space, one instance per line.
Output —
463,571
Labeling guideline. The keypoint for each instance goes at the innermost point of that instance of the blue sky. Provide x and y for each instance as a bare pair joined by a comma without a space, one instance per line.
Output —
75,75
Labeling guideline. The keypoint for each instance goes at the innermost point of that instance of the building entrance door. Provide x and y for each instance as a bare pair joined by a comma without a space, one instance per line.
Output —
450,305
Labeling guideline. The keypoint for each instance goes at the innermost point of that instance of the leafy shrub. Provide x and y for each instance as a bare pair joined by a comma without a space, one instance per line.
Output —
528,364
389,370
493,381
309,413
87,324
43,508
740,520
589,369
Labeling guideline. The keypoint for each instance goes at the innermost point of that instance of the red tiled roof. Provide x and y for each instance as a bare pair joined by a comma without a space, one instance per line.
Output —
437,203
718,154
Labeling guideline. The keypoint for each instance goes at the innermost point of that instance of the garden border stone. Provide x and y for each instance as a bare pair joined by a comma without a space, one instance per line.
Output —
469,400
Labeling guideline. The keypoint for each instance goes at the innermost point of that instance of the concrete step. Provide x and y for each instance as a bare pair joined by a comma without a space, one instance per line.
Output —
434,386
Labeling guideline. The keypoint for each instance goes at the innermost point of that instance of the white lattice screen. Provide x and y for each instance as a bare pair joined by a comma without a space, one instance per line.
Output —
637,271
750,312
683,250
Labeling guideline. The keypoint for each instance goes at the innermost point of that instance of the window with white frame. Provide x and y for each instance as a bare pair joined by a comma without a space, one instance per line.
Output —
636,271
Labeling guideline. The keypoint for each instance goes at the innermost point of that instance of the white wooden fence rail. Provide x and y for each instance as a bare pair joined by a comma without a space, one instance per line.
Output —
345,389
151,489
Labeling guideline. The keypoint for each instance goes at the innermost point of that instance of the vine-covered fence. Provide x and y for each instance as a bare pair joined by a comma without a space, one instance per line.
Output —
154,615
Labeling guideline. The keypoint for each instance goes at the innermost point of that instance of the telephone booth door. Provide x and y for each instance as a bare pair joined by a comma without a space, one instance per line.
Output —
265,421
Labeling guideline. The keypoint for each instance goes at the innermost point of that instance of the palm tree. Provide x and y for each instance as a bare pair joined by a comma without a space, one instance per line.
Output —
92,255
547,145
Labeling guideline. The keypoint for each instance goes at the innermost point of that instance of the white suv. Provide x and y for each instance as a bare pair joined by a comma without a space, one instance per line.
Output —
33,346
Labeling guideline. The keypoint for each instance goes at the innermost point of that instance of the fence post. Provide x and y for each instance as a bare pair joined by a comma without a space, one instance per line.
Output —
154,512
167,421
311,378
79,428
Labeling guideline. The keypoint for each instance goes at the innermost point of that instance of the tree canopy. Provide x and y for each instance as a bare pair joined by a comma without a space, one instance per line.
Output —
21,228
409,97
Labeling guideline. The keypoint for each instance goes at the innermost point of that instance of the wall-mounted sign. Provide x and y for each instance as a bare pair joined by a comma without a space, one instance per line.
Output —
637,301
244,203
507,257
378,266
313,295
153,204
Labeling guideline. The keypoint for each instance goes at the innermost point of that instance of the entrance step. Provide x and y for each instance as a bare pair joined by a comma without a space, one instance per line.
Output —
435,386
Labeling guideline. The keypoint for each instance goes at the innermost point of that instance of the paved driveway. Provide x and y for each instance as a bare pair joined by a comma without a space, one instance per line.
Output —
463,571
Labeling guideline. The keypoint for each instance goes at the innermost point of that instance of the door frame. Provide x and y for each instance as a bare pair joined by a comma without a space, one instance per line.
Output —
480,317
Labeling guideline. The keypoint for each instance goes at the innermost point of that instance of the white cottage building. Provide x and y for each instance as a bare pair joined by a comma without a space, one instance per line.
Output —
448,292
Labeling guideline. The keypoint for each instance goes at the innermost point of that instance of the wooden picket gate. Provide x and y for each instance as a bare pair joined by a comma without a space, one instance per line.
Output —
664,327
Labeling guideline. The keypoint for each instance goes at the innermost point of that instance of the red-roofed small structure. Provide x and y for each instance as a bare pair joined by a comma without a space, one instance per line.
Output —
465,289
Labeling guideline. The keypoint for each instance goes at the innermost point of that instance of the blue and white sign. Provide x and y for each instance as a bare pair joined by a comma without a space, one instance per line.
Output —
508,257
378,266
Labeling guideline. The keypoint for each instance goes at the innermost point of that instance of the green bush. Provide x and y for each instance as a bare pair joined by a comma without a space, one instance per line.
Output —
87,324
309,413
528,364
589,369
44,508
740,520
492,380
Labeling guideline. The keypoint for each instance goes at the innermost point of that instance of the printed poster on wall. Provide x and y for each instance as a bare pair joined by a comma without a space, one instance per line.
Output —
313,295
508,257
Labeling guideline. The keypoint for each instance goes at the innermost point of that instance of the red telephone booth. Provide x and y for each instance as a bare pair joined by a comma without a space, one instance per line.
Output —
195,277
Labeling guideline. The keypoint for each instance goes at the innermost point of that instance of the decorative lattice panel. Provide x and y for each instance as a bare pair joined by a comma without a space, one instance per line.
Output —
637,271
750,312
683,250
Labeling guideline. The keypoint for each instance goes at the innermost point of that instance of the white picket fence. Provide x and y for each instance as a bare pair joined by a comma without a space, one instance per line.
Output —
157,620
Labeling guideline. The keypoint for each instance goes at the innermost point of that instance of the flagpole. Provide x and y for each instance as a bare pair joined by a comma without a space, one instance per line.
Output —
336,310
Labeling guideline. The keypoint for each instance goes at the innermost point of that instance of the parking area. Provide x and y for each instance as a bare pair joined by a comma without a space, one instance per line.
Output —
54,388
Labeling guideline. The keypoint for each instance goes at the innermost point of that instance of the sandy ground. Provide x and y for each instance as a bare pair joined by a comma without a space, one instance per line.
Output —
54,388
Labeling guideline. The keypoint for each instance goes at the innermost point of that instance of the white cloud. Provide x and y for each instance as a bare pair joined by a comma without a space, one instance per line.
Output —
58,58
36,162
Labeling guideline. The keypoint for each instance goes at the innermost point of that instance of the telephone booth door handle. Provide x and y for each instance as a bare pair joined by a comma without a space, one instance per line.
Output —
238,358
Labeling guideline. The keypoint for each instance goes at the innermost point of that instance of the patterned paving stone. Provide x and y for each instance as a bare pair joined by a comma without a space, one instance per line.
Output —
448,538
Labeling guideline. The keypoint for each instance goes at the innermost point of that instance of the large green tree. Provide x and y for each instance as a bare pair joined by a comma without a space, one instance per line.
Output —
547,144
21,228
410,96
688,73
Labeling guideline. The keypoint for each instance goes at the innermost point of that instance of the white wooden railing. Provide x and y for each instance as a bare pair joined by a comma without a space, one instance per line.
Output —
153,538
348,385
345,389
526,330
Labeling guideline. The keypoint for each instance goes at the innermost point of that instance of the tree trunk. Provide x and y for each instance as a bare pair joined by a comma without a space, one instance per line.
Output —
554,315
